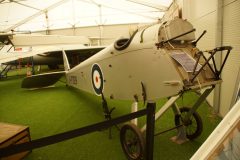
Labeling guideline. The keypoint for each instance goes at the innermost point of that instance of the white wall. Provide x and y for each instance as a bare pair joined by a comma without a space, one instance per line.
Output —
231,36
205,15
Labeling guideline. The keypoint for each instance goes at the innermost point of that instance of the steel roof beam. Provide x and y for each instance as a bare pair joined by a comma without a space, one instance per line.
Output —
149,4
25,5
35,15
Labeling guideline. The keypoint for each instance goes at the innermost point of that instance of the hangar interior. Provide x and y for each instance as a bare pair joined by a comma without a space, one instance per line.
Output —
58,109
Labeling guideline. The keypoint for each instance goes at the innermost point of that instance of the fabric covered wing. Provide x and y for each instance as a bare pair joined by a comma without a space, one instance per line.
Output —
47,50
11,56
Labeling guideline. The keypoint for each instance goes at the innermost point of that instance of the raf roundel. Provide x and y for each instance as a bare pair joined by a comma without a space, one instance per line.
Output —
97,79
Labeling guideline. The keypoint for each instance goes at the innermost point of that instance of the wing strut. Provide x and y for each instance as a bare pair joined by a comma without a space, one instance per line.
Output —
65,61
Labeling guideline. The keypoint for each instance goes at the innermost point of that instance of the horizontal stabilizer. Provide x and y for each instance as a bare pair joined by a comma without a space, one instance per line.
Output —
42,80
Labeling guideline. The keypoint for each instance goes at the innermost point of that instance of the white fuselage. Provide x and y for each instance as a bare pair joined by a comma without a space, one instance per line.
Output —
119,74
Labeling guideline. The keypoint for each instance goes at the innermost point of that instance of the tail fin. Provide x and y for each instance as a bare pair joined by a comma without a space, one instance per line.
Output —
65,61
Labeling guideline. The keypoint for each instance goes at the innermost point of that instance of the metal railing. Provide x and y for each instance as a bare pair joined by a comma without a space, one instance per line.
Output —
149,112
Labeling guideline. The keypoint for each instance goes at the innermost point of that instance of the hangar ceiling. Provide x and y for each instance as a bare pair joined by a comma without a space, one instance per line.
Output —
34,15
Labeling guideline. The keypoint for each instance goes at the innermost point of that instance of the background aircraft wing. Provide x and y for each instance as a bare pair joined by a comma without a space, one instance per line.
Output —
11,56
41,40
48,51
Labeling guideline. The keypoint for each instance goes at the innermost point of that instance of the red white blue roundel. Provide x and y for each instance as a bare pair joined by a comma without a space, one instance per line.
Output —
97,79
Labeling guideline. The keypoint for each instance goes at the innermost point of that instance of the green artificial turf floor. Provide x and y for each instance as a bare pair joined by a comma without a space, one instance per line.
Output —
54,110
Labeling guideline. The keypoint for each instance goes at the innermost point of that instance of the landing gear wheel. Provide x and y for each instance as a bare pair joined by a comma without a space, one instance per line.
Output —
132,141
193,125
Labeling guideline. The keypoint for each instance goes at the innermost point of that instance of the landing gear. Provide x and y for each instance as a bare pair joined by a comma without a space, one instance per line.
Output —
193,124
132,141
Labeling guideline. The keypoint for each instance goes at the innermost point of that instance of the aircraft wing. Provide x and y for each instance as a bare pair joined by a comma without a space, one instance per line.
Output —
44,50
11,56
41,40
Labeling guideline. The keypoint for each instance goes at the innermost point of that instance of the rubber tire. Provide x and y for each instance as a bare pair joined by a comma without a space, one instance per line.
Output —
140,142
197,119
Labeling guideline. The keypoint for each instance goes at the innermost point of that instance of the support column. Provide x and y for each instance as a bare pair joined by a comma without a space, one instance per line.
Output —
100,25
218,57
33,69
47,23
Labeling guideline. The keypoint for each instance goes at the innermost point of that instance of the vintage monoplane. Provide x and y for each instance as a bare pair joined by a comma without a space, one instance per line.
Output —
158,61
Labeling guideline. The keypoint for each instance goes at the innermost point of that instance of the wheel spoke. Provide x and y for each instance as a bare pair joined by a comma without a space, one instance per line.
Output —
132,141
193,124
